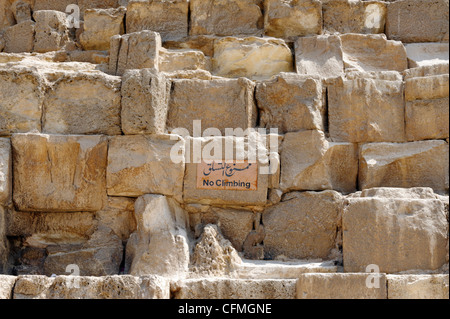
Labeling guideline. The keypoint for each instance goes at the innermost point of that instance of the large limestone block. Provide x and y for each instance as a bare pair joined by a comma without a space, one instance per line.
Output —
311,162
255,58
58,5
302,225
423,54
22,92
427,87
184,59
137,50
396,234
21,11
52,30
223,288
107,287
226,17
418,21
20,37
139,165
59,173
5,171
144,102
167,17
160,244
293,18
291,103
373,52
341,286
220,103
414,164
347,16
118,214
6,286
99,26
427,70
417,286
83,103
366,110
320,55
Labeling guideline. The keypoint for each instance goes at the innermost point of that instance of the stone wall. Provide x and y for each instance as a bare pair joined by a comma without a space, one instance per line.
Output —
98,144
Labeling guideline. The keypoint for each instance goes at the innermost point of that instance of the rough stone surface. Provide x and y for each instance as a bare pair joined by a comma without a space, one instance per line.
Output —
226,17
52,31
6,286
423,54
139,165
21,11
169,18
255,58
374,229
5,171
302,225
59,173
291,103
340,286
4,251
144,102
417,286
293,18
366,110
418,21
23,31
311,162
414,164
118,214
174,60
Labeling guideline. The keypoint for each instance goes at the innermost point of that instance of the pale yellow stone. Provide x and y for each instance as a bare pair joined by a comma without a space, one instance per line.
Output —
417,286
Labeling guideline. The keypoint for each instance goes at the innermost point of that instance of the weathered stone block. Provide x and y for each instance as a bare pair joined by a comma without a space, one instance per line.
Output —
23,31
174,60
139,165
366,110
226,17
340,286
6,286
99,26
321,56
310,162
417,21
4,249
293,18
21,11
220,103
396,234
83,103
118,214
137,50
255,58
52,30
291,103
58,5
168,18
204,43
5,171
417,286
345,16
302,225
423,54
422,163
59,173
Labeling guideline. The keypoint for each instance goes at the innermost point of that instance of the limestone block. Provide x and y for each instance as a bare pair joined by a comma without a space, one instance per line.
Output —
427,70
168,18
219,103
59,173
422,163
22,93
292,19
422,54
144,102
346,16
83,103
107,287
21,11
311,162
291,103
6,286
204,43
173,60
226,17
373,52
340,286
20,37
319,55
139,165
160,244
255,58
99,4
6,16
417,286
52,30
223,288
366,110
100,25
137,50
417,21
5,171
118,214
396,234
58,5
303,225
